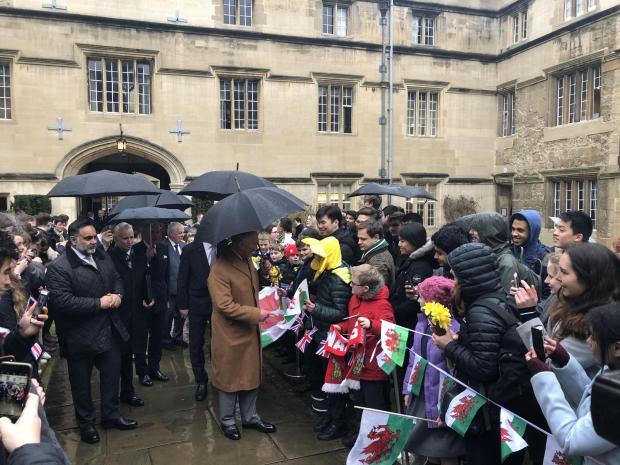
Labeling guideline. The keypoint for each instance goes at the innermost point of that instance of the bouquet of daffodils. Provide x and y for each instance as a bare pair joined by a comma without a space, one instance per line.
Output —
438,316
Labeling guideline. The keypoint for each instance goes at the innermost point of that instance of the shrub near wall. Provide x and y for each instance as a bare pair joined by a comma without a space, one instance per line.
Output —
32,204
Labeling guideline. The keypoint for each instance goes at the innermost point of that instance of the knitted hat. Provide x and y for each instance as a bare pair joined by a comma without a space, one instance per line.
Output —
436,289
290,249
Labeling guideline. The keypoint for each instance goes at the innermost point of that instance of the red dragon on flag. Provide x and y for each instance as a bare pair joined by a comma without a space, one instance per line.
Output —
462,410
383,440
415,374
392,340
559,459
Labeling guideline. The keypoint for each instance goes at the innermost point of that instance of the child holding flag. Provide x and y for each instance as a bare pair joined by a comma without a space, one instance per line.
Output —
422,383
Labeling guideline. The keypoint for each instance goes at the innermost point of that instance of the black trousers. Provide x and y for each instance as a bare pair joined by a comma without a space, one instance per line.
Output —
375,394
80,371
127,389
172,322
198,324
152,346
336,406
315,366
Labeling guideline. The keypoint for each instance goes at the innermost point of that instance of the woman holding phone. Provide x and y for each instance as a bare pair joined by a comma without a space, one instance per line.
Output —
565,382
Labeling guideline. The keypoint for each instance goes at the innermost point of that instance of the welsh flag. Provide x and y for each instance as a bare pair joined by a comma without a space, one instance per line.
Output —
297,302
385,363
555,456
462,410
414,379
394,341
445,384
511,431
381,439
270,329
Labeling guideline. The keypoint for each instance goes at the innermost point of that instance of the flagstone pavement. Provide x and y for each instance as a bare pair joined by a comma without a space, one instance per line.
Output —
175,429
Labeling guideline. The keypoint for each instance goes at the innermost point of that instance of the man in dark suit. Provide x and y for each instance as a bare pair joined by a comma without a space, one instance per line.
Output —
169,252
132,275
85,292
194,303
148,321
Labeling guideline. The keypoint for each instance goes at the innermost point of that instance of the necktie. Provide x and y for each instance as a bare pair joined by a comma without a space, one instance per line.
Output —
128,259
177,248
211,256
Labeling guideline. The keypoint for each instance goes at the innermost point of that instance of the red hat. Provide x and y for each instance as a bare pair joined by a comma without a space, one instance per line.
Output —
290,249
437,289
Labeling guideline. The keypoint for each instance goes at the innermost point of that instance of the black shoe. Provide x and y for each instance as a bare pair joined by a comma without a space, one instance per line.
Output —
89,434
333,431
349,440
180,343
231,432
157,375
120,423
201,392
134,400
261,426
322,425
146,381
169,346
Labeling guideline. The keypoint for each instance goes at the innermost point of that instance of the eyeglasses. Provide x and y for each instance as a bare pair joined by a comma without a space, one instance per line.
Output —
356,284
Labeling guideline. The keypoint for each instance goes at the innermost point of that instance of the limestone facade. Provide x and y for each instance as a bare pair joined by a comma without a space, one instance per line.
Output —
475,103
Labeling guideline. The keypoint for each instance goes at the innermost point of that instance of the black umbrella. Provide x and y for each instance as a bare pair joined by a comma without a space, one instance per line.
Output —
103,183
249,210
215,185
398,190
153,214
166,199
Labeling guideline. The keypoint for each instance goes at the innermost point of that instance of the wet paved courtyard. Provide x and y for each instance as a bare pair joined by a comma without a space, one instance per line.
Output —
175,429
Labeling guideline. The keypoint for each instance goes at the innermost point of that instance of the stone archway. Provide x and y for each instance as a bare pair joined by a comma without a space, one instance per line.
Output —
78,158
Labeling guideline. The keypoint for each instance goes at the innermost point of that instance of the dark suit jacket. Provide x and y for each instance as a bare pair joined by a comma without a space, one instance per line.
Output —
192,291
84,329
164,249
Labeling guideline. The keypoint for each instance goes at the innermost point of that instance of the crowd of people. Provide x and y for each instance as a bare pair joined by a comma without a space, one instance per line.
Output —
120,294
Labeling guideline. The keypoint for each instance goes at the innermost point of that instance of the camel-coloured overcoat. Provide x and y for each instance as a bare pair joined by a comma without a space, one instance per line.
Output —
236,357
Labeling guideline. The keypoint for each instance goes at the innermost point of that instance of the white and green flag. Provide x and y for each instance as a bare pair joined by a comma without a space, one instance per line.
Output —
462,410
381,439
511,431
555,456
414,379
297,302
394,341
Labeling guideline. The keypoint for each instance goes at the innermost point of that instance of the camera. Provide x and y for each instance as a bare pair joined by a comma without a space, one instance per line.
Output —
14,387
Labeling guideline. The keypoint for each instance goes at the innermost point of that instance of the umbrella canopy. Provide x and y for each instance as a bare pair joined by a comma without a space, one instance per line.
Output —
398,190
150,214
102,183
249,210
166,199
215,185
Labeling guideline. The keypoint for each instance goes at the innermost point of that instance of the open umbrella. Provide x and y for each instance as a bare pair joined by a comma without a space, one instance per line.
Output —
102,183
154,214
398,190
215,185
249,210
166,199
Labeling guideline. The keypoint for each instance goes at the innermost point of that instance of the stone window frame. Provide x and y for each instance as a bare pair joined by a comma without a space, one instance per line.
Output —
247,113
335,188
6,98
325,103
413,112
577,94
335,27
583,189
426,20
237,18
519,23
576,8
507,106
427,209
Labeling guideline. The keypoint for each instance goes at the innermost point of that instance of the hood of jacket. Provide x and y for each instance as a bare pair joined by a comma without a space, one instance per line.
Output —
476,268
533,249
422,252
492,230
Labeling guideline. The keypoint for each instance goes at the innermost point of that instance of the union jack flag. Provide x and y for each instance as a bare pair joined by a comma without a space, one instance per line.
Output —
305,340
321,352
296,326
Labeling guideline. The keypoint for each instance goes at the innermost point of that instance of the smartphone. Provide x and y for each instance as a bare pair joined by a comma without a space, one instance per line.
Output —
41,302
537,341
14,388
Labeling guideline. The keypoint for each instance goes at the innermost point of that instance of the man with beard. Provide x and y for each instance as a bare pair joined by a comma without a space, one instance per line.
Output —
85,292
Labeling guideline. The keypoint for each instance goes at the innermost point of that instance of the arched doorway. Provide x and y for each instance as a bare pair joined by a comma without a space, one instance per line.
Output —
141,157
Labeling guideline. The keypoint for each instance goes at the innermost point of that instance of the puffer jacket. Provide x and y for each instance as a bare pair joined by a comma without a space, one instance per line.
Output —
476,352
419,264
493,232
332,300
348,247
572,428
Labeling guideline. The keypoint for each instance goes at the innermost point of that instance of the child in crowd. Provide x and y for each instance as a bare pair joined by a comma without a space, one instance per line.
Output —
264,249
291,265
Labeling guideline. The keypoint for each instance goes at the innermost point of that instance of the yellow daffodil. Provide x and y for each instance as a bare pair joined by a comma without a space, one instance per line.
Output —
438,314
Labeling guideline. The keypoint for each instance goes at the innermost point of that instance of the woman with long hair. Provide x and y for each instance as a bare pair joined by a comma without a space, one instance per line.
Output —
589,276
565,383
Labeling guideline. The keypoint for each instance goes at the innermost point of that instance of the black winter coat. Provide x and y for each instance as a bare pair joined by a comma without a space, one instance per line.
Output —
419,265
348,247
192,290
84,329
332,301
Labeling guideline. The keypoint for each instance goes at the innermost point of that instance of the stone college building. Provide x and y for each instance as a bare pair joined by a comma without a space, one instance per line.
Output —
512,103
